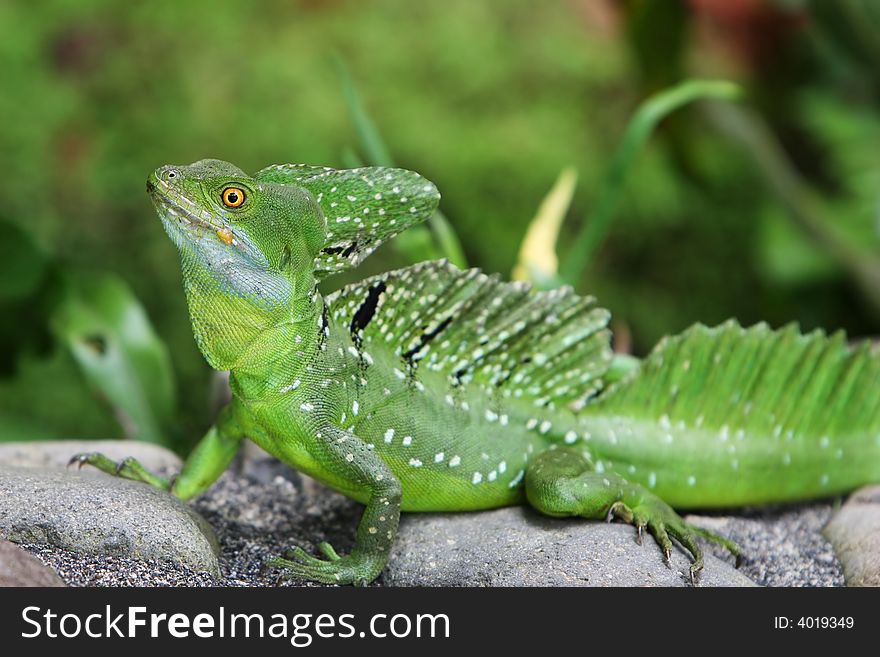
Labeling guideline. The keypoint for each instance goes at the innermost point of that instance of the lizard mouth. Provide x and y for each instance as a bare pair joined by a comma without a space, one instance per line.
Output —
178,211
189,224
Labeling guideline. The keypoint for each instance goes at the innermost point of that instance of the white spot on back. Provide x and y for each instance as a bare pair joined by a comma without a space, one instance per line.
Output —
293,386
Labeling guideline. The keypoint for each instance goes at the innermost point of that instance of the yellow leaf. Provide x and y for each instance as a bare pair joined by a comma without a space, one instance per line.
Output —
537,262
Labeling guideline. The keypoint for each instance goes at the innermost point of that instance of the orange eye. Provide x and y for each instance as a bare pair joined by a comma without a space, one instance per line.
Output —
232,197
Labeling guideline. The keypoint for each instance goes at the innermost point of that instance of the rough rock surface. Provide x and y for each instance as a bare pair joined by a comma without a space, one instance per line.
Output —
265,508
94,513
782,545
18,568
57,453
519,547
261,507
855,533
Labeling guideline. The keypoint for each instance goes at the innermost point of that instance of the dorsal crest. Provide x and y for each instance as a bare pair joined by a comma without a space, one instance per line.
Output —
364,207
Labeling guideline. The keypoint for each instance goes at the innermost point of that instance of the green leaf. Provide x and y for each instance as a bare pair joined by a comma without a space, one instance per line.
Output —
807,210
377,154
22,263
639,129
122,358
28,290
374,147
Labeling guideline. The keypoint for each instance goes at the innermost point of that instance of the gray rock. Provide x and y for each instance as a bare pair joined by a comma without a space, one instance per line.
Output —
264,509
518,547
57,453
782,545
91,512
855,533
78,569
18,568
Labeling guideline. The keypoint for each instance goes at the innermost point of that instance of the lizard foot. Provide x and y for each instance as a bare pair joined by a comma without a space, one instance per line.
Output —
354,568
128,468
665,524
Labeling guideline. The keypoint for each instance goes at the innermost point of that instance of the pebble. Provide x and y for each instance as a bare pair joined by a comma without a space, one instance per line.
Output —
855,533
18,568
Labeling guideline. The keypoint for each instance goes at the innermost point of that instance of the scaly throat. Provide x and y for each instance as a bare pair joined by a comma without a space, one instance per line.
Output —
232,305
278,356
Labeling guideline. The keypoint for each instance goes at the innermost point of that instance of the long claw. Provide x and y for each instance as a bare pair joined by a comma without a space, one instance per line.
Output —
336,569
328,551
127,468
729,545
619,510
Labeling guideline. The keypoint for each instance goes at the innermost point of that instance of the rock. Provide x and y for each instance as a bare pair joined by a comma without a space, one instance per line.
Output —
78,569
57,453
855,533
519,547
18,568
263,509
91,512
782,545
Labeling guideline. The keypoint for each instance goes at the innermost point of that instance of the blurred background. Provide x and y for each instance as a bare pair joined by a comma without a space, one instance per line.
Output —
763,207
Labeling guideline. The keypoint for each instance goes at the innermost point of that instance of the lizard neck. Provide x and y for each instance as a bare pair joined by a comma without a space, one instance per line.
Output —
243,315
276,357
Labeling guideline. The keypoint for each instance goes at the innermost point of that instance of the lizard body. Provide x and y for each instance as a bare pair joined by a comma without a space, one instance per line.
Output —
435,389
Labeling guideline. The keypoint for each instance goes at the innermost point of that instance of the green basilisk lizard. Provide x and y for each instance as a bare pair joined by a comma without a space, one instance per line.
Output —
430,388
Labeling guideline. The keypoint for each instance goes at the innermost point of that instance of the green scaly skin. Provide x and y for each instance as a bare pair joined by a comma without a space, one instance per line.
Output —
434,389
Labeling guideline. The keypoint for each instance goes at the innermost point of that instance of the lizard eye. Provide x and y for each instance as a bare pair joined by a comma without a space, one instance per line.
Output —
232,197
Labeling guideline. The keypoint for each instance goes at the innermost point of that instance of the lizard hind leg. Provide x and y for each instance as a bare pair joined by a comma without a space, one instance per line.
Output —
563,482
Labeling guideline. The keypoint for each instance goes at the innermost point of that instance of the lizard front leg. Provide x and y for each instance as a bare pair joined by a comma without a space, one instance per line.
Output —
563,482
203,466
346,457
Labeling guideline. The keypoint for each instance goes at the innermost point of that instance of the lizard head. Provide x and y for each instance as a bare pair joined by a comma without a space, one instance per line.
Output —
247,248
213,208
252,247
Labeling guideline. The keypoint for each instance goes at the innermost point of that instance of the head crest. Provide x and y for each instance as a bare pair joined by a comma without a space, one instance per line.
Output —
363,207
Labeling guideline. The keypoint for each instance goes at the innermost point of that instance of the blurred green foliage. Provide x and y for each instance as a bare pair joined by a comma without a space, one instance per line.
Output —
109,336
490,99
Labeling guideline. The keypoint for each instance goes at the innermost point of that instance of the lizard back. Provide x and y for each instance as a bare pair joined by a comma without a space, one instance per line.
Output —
463,374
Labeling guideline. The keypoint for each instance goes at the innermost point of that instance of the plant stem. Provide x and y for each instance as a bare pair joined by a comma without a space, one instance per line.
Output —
377,154
801,203
640,127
